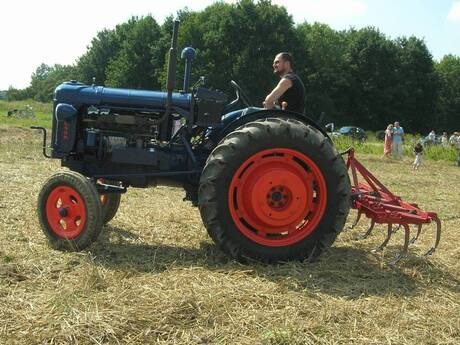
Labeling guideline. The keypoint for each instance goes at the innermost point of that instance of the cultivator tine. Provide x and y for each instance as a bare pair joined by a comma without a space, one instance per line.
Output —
368,232
387,239
403,252
438,237
419,230
355,222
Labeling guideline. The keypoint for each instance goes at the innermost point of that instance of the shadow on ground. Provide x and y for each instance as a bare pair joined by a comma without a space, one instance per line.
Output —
342,271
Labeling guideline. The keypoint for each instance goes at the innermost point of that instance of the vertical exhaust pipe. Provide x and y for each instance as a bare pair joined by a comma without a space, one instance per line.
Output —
172,57
171,78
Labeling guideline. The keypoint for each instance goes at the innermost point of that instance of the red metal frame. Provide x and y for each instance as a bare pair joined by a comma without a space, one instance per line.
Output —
376,202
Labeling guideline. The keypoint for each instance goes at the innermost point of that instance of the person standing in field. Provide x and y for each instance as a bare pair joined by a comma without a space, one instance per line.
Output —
444,139
397,144
454,139
388,141
418,150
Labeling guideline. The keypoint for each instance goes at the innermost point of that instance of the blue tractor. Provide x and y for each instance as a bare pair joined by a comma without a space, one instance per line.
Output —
269,184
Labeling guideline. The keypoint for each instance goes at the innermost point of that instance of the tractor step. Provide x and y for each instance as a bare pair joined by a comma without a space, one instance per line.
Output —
377,203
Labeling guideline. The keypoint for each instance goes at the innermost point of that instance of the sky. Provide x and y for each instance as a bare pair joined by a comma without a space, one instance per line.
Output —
58,32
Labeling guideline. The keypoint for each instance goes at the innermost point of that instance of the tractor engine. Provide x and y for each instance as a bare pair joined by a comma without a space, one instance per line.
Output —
121,132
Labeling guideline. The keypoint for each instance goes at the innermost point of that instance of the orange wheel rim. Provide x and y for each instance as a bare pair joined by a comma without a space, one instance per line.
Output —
66,212
277,197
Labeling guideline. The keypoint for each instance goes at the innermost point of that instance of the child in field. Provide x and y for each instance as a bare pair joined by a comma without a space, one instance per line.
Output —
418,149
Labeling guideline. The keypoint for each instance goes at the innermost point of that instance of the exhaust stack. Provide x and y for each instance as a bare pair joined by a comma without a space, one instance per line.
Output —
172,67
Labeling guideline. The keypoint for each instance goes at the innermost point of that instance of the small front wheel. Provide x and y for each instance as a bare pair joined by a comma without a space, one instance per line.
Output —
69,211
110,203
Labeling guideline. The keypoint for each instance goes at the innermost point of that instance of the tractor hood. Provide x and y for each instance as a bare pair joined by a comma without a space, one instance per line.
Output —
79,94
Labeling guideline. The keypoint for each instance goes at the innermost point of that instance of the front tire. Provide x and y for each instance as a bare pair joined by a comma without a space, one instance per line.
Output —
274,190
69,211
110,203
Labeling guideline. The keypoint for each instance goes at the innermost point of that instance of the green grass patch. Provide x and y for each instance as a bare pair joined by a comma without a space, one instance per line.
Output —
375,147
41,113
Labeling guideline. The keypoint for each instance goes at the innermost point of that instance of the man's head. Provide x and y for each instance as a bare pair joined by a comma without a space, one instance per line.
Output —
282,64
397,124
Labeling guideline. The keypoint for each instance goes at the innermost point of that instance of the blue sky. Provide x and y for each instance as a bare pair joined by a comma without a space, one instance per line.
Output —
53,31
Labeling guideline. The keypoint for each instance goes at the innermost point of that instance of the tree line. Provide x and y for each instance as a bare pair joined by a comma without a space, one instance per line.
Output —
359,77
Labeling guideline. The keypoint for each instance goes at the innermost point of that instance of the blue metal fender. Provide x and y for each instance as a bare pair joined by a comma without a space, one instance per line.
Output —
237,118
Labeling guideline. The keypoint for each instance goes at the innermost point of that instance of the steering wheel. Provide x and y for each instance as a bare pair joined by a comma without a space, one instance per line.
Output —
240,94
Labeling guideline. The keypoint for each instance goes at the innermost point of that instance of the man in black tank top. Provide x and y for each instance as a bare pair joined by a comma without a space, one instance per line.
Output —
290,88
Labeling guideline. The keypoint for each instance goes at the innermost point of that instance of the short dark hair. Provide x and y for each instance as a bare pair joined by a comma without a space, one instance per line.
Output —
287,57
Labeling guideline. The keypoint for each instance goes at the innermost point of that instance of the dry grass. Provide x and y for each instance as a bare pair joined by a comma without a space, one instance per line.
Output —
154,276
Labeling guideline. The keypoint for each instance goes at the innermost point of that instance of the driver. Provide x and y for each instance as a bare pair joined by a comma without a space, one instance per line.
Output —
290,88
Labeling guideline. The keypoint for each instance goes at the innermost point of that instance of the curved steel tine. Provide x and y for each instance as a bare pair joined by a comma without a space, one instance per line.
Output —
355,222
419,230
396,228
405,247
368,232
438,237
385,242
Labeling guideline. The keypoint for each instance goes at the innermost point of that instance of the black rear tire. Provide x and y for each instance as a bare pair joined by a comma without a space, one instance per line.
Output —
69,211
294,149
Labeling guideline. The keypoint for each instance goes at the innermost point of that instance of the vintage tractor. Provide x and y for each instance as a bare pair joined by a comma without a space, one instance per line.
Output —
269,184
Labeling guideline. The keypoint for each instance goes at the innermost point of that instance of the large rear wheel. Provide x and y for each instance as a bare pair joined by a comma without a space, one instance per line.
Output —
274,190
69,211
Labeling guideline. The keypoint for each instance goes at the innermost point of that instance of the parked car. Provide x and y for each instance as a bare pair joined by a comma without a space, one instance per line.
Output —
353,132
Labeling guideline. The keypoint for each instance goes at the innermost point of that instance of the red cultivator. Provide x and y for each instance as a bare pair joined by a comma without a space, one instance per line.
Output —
381,206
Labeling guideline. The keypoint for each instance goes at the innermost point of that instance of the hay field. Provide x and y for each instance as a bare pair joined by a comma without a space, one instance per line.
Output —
154,276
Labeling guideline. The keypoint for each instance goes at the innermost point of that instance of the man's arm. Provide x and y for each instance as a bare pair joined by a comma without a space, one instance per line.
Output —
281,88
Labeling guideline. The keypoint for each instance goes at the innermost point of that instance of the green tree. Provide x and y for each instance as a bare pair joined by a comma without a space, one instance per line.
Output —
133,67
104,49
415,99
371,60
45,79
323,70
448,106
13,94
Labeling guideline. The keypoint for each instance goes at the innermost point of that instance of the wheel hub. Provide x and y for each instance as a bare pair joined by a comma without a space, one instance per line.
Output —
282,187
278,197
63,212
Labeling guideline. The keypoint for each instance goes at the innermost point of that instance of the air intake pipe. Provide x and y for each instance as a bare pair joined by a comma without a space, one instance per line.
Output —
188,54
